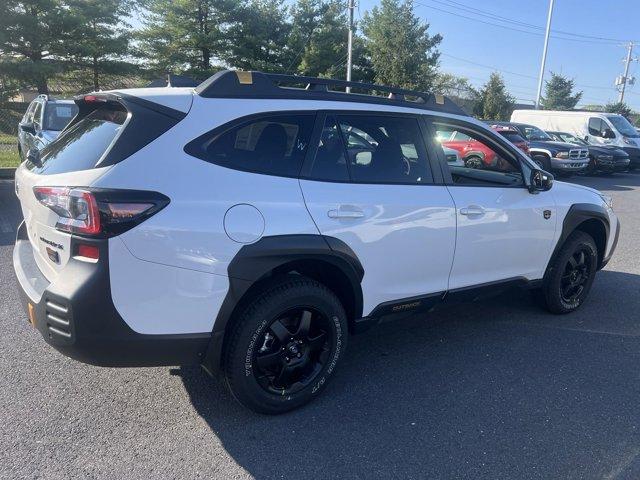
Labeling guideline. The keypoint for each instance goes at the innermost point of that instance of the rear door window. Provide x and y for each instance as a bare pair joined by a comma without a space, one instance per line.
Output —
273,144
83,145
385,149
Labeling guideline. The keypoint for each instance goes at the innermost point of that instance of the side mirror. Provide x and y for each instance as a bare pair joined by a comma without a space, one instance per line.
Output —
33,156
28,127
608,133
540,181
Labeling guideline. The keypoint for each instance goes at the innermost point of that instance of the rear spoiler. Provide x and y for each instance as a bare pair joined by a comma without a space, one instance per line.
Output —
145,122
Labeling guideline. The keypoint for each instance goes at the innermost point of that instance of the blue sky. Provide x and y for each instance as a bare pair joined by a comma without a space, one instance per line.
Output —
593,64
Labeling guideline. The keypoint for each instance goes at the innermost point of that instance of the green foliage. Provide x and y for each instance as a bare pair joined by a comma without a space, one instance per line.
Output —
258,40
559,94
494,102
32,33
619,107
401,50
185,35
453,86
98,37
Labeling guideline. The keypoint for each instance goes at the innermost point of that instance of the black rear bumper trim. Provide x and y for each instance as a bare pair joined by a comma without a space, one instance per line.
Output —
76,315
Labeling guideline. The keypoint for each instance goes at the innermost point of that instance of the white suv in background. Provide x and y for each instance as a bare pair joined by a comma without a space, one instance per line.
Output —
250,225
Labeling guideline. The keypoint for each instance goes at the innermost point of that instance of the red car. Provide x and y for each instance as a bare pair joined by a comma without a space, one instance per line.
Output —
513,136
476,154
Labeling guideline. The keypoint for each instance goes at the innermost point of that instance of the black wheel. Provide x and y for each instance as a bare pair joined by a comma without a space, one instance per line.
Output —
569,277
591,167
473,161
543,162
285,345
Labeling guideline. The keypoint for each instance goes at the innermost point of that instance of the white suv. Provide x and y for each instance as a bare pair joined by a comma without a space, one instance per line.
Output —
252,223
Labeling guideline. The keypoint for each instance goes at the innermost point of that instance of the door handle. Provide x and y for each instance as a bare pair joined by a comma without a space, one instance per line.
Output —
344,213
472,210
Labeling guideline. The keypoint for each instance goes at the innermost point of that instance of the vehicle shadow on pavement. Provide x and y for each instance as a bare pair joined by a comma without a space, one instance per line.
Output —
616,182
497,389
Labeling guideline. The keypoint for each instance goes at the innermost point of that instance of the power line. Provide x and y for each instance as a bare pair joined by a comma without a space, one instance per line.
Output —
513,28
485,13
497,69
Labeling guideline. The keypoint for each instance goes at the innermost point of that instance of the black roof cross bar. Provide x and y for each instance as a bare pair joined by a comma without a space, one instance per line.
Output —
258,85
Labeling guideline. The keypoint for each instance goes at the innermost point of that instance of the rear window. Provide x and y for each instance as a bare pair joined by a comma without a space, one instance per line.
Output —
58,115
82,146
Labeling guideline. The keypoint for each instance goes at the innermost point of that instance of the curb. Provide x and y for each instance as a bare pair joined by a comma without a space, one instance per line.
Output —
7,172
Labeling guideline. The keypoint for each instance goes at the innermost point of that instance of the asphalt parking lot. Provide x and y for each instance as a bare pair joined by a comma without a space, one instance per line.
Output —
500,389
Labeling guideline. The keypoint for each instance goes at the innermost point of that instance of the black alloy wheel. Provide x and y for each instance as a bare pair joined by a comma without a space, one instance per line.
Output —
293,351
576,275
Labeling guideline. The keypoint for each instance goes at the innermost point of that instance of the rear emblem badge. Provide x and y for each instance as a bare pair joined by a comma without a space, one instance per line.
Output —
547,214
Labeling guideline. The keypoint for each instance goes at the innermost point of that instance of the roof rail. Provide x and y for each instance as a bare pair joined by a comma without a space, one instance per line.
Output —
256,85
44,96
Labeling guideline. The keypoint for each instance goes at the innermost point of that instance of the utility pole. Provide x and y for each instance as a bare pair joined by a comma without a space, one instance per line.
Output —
544,54
350,43
625,77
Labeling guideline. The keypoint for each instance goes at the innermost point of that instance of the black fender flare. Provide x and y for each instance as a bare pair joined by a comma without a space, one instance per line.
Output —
579,213
255,262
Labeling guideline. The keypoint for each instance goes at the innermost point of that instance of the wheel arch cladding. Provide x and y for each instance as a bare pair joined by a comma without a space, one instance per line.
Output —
326,259
589,218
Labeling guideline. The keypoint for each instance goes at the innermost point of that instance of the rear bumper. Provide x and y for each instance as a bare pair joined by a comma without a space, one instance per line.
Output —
75,315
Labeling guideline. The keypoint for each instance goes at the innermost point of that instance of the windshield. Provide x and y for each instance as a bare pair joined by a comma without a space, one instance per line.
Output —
534,133
623,126
83,144
567,137
58,115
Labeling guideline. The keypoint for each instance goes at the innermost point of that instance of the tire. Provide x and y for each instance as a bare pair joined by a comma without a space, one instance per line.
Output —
558,294
295,366
473,161
591,167
543,162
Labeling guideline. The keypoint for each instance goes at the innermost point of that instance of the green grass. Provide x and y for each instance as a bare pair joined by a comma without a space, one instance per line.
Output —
8,139
9,158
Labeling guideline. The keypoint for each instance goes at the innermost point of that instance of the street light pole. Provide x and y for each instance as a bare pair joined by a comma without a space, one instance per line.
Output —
544,54
350,43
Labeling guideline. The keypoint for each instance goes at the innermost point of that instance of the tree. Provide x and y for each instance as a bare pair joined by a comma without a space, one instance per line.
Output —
31,35
402,52
99,37
318,42
494,102
318,37
186,35
558,94
618,107
453,86
258,41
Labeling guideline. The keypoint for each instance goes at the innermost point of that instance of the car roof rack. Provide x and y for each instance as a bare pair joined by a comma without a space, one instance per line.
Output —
259,85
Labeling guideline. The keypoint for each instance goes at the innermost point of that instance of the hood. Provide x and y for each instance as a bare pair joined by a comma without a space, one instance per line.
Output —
581,187
549,144
607,150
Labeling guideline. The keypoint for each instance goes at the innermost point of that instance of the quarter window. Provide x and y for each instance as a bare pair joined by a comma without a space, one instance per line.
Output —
274,145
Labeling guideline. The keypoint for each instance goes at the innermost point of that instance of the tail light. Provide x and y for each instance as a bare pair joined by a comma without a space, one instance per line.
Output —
99,212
